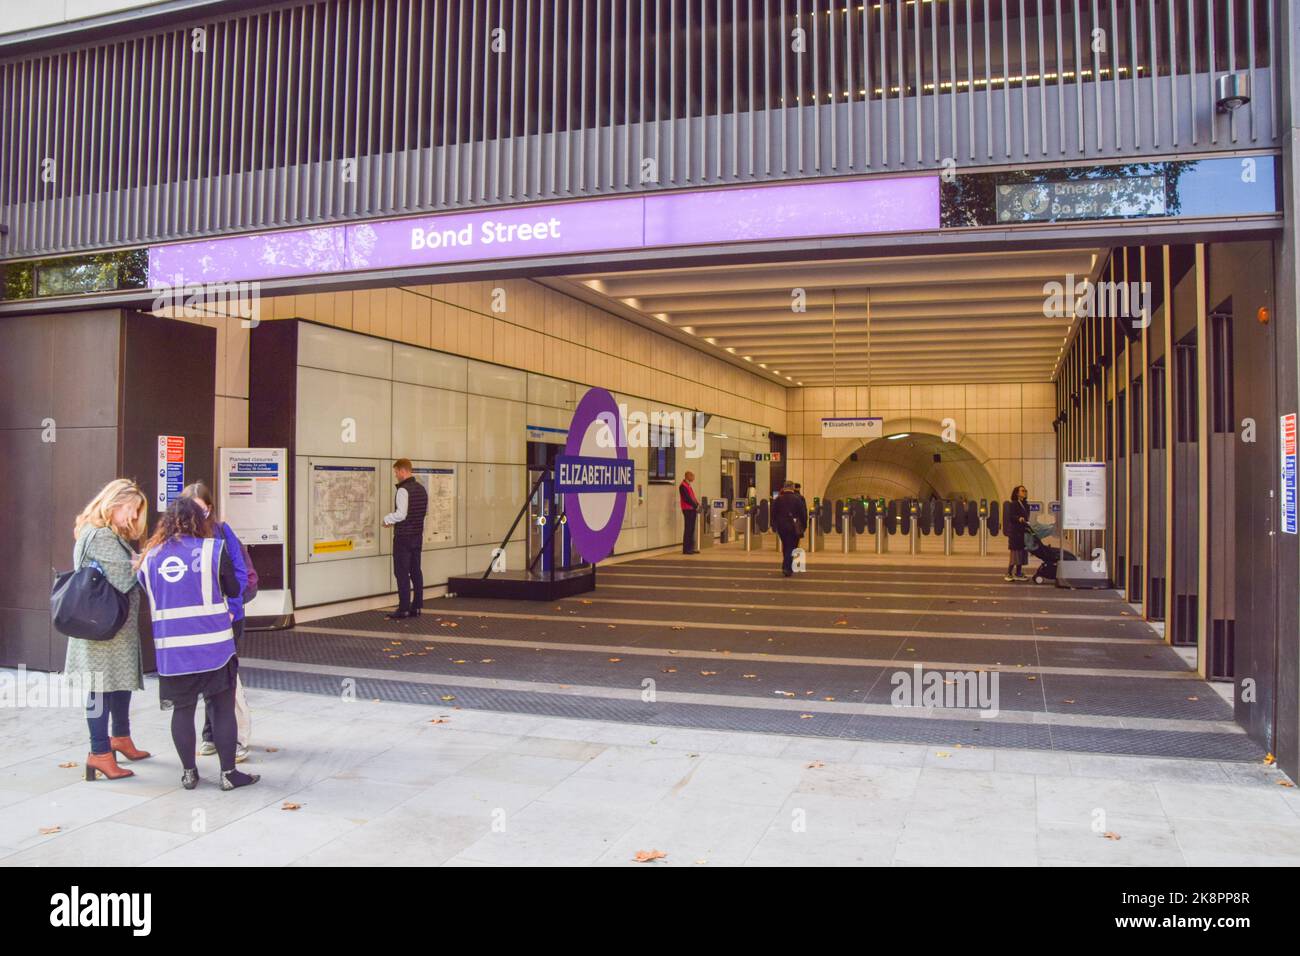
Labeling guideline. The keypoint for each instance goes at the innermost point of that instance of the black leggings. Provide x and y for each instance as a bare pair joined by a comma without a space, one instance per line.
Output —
221,711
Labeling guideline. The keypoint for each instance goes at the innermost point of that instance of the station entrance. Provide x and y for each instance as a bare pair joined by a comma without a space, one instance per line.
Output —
966,381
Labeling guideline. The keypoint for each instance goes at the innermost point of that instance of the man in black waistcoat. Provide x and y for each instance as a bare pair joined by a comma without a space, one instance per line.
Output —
408,540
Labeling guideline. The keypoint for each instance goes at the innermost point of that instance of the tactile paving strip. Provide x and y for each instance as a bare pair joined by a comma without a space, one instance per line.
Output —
932,732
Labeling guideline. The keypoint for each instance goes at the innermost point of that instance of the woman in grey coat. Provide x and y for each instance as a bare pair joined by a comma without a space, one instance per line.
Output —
107,530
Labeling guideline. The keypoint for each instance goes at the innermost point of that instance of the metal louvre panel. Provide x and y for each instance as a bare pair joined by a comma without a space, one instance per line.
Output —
324,110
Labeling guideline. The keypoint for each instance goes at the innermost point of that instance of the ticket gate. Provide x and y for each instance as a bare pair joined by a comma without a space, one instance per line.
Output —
814,525
707,524
913,526
947,526
982,516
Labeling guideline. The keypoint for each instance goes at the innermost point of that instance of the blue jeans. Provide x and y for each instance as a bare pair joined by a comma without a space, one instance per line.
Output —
115,704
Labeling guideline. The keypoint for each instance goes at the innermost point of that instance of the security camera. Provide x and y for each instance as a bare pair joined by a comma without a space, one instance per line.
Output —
1234,92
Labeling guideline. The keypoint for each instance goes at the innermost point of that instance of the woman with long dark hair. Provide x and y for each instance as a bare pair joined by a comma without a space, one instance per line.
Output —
1016,520
188,575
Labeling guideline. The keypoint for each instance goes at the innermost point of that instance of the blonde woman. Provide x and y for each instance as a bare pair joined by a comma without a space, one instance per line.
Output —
107,531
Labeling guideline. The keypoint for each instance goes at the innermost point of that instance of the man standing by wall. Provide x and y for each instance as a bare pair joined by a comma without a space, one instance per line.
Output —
790,519
690,511
408,539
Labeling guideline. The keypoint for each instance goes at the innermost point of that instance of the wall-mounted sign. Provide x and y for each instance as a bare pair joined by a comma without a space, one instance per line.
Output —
440,519
853,427
171,469
1107,198
547,434
595,475
1288,436
255,493
749,214
1083,495
344,509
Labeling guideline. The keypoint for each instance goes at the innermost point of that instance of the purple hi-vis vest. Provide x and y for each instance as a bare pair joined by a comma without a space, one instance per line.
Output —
191,624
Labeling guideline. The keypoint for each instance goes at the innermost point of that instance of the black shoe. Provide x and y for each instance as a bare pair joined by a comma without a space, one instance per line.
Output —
231,779
788,574
190,779
398,615
415,612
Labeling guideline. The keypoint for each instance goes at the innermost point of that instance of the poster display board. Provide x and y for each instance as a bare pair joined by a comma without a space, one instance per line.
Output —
1288,476
254,493
343,511
171,469
1083,495
440,520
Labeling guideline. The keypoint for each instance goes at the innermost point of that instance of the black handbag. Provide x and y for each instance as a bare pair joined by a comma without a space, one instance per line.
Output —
84,604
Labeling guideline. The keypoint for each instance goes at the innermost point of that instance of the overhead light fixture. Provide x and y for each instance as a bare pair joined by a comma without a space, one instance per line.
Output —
898,436
1234,92
688,330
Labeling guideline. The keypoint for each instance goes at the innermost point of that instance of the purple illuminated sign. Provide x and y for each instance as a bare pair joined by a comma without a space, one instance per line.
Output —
750,214
595,474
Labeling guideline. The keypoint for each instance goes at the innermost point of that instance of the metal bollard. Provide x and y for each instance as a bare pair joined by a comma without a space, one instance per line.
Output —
881,545
947,531
749,532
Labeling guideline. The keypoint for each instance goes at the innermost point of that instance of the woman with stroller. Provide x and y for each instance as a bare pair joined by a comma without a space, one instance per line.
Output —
1016,521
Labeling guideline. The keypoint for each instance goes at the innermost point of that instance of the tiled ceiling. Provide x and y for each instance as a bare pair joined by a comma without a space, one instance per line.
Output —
971,317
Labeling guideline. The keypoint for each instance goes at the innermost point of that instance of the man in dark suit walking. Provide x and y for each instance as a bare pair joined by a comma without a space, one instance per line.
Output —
790,519
690,512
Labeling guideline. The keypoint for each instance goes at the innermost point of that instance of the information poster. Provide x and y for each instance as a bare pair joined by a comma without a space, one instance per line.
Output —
1288,474
171,469
440,521
1083,495
254,493
344,513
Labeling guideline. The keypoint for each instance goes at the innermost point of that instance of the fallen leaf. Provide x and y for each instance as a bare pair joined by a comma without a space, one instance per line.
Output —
942,753
615,660
449,624
287,805
1285,783
487,660
679,627
670,670
438,720
457,661
1193,698
1269,759
49,830
805,716
708,673
447,697
65,766
749,676
645,856
1111,835
828,698
585,601
816,765
1068,701
272,750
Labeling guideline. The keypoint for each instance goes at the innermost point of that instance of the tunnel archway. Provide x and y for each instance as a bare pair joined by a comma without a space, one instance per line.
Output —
911,465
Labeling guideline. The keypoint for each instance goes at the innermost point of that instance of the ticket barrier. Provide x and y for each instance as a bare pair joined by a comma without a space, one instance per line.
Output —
844,525
707,524
983,514
753,533
913,524
814,525
947,527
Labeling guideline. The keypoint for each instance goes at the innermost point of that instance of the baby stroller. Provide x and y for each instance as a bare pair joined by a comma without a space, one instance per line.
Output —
1045,553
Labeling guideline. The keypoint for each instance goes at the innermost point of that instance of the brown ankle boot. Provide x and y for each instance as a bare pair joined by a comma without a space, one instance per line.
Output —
127,749
107,765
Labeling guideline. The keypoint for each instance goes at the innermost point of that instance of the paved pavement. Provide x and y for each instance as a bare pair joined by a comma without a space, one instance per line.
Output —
383,783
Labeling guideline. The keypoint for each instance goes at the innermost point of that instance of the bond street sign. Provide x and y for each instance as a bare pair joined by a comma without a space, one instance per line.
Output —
595,475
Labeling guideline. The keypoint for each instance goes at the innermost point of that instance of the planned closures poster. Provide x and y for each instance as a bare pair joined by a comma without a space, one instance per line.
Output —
1083,495
344,508
254,493
440,522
